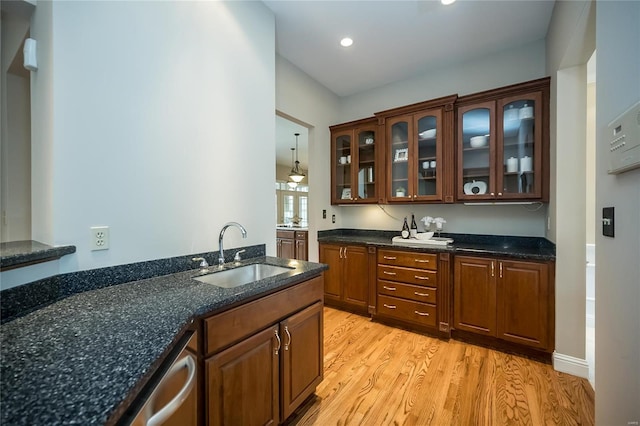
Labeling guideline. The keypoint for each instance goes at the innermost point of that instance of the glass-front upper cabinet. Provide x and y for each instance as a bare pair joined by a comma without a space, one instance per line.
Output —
414,151
354,162
519,156
476,151
428,176
503,144
341,166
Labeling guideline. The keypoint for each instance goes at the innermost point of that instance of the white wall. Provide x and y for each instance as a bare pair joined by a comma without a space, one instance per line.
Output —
500,69
311,104
570,44
618,270
141,113
508,67
15,152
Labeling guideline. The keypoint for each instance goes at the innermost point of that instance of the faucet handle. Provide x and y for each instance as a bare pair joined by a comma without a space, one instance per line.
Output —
237,257
203,262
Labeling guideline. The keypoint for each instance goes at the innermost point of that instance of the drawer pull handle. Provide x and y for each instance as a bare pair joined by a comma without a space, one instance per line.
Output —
389,288
389,257
388,273
389,306
421,294
418,277
420,261
422,314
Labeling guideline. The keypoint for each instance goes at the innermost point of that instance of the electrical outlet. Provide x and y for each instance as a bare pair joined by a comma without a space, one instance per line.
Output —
99,238
324,214
333,218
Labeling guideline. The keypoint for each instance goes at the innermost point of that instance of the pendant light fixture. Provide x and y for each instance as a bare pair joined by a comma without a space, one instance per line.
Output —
296,174
290,183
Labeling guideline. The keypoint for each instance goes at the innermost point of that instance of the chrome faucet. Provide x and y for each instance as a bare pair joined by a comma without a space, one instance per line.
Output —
224,228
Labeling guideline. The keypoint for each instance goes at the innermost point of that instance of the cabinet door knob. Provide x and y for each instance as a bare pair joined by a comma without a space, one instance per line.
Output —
500,269
422,314
493,270
499,194
493,194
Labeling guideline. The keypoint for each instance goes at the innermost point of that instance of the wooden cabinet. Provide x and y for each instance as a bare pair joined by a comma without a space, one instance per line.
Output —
264,357
503,144
474,295
419,152
243,382
355,162
407,287
347,280
506,299
302,357
292,244
302,249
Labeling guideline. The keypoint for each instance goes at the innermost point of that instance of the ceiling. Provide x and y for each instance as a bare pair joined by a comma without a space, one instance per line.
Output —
396,40
393,41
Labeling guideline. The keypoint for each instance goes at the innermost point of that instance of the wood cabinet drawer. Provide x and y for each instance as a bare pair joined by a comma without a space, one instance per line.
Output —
301,235
407,291
407,310
409,259
231,326
408,275
285,234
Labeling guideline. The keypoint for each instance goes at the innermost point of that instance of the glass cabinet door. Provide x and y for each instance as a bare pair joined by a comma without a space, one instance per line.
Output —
476,151
399,129
518,158
366,161
427,177
342,166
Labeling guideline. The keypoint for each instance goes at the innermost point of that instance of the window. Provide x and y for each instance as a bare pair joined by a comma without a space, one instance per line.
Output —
292,203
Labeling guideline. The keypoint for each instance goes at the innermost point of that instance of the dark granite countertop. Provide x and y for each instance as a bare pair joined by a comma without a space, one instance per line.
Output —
74,361
532,248
15,254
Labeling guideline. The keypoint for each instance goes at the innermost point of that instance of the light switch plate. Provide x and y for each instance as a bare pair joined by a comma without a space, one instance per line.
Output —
608,224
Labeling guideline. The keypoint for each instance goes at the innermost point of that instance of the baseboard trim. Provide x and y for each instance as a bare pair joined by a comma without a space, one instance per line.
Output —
570,365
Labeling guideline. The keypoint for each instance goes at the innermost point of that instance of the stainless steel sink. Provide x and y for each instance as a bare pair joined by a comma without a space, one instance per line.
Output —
243,275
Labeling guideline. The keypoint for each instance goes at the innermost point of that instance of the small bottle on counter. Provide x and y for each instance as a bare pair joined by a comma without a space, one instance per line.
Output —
413,232
405,229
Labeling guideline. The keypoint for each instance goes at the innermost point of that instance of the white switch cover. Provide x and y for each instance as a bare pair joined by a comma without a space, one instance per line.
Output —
99,238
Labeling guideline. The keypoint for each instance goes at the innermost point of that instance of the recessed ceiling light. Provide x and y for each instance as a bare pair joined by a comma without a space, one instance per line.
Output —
346,42
447,2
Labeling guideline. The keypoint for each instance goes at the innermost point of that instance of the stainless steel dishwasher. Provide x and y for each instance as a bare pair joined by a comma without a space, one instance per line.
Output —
174,400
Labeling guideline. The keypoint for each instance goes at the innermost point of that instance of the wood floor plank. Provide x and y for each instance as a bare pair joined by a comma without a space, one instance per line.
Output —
380,375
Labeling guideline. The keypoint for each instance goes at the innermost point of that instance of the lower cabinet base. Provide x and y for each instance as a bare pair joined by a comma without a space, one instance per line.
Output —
348,307
410,326
464,336
502,346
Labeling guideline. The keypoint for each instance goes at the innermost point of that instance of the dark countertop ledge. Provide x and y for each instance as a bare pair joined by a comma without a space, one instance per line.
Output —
77,360
15,254
532,248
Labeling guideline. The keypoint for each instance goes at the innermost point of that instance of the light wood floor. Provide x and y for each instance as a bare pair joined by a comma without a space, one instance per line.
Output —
379,375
